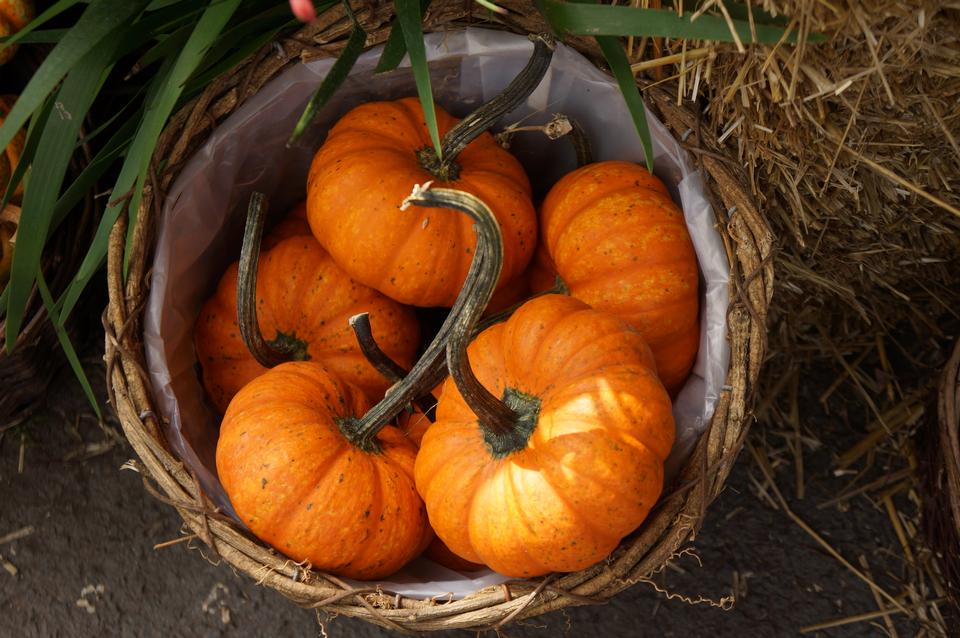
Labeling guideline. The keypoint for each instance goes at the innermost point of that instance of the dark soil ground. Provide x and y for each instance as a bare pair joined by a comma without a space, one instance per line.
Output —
90,568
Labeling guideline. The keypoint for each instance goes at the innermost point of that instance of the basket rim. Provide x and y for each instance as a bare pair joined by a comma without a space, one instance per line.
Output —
678,516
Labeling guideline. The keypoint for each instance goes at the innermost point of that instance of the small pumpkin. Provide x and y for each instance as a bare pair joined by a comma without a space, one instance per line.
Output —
377,152
11,154
621,245
550,436
578,463
301,480
304,302
14,15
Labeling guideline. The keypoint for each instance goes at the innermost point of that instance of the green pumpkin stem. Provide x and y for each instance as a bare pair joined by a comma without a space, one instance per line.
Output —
285,347
473,298
390,369
445,168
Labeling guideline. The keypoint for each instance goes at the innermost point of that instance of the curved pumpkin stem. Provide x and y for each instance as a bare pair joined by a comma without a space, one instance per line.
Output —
474,296
469,128
390,369
284,348
559,126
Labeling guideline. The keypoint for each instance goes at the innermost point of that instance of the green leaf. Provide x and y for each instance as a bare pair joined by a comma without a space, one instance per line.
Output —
160,104
620,65
334,78
44,36
395,49
94,170
54,150
99,20
573,18
66,344
52,12
408,15
29,150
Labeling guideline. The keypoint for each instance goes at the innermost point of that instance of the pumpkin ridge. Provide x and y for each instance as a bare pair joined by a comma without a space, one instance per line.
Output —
568,213
584,520
305,496
371,513
521,517
544,342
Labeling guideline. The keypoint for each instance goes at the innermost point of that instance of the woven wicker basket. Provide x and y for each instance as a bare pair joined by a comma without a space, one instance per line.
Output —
941,502
748,242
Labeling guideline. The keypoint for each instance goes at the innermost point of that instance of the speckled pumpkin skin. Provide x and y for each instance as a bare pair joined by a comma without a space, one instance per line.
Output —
301,291
10,155
593,466
14,15
365,169
621,245
301,486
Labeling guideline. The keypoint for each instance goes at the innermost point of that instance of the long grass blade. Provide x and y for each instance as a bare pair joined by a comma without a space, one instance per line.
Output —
160,104
100,19
396,48
66,345
94,170
49,166
620,65
409,17
334,78
34,130
573,18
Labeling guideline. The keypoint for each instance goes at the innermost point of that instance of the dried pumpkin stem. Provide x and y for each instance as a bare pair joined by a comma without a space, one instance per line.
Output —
505,429
560,126
285,347
473,298
472,126
390,369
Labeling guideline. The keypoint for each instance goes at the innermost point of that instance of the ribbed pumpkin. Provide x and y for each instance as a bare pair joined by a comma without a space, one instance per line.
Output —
10,155
14,15
369,162
302,485
303,297
620,244
573,460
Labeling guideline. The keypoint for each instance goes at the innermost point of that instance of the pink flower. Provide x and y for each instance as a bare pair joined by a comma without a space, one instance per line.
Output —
303,10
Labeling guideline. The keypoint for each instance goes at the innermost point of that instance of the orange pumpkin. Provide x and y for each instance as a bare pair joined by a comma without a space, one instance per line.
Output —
10,155
305,299
300,482
9,221
369,162
14,15
572,459
294,224
378,152
620,244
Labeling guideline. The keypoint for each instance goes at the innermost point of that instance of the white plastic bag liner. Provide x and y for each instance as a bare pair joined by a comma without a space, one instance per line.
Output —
203,216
